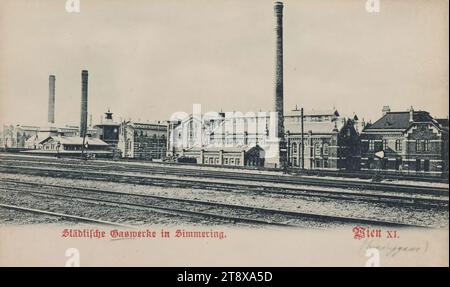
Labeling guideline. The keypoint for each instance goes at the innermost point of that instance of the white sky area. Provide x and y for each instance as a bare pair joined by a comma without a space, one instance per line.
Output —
150,58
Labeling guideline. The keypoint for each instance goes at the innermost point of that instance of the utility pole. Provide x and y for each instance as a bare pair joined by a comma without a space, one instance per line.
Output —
303,140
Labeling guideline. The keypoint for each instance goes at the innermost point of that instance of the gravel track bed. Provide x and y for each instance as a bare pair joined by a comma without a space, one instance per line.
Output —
354,209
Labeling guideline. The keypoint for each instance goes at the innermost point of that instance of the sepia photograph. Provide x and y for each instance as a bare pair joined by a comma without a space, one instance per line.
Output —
224,133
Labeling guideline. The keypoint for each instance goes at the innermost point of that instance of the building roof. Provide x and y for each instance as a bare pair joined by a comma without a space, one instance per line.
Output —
146,125
76,140
104,124
443,123
238,148
400,120
325,127
306,113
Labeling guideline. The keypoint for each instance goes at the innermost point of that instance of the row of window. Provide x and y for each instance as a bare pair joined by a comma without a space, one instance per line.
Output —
226,161
315,163
419,165
318,149
421,145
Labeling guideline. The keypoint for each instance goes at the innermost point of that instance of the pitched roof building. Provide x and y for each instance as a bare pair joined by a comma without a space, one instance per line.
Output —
406,142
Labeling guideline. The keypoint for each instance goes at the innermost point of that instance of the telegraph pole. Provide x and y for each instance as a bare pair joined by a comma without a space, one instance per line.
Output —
303,139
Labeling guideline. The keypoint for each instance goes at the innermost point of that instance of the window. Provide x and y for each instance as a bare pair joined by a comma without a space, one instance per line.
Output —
426,145
370,162
417,164
398,163
317,149
326,149
371,145
385,144
238,161
225,161
418,145
317,163
384,163
294,148
398,145
426,165
325,163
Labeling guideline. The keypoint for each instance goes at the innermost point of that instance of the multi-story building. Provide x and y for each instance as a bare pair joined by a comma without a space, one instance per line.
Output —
142,140
108,130
232,139
15,136
330,142
406,142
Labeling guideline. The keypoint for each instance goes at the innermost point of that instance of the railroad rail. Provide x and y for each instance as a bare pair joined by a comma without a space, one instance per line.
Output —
196,208
416,198
183,172
62,215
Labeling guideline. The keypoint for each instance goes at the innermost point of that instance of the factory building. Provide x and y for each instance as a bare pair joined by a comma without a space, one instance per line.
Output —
409,142
232,156
145,141
224,131
330,142
73,146
108,130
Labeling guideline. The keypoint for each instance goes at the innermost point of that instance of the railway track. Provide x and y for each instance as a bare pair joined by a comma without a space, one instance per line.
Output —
62,215
229,175
193,208
439,202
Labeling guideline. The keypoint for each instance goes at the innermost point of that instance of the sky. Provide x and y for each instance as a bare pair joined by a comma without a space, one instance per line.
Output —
150,58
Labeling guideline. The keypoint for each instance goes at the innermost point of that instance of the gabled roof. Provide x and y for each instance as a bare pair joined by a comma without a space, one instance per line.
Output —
144,125
75,140
443,123
400,120
306,113
238,148
325,127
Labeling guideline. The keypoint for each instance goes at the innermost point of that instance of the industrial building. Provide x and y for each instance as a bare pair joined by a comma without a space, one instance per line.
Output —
408,142
250,156
74,146
108,130
145,141
324,140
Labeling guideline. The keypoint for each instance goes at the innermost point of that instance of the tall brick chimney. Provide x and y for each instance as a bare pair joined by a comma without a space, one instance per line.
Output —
278,8
51,99
84,101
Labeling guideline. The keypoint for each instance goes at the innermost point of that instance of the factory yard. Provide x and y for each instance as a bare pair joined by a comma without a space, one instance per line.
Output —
35,191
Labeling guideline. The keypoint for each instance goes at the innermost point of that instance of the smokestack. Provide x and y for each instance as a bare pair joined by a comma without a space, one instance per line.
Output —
279,67
51,99
84,99
278,8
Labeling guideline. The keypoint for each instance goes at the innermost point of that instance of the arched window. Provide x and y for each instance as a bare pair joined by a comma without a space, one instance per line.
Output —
326,149
294,147
317,150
